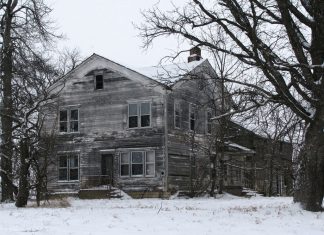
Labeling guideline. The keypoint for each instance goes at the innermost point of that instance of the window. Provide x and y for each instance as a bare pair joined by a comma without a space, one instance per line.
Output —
124,164
69,120
139,115
68,168
177,118
192,117
63,121
137,163
209,122
99,82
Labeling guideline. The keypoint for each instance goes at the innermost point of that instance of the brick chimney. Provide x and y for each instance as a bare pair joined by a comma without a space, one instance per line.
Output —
195,54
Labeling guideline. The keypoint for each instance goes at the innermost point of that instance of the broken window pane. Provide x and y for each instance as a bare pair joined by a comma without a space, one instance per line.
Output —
137,169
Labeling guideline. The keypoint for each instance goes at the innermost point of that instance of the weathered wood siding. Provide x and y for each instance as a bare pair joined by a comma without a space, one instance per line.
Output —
103,125
181,146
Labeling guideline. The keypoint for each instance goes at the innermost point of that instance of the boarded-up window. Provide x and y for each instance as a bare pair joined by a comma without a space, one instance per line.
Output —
99,82
68,168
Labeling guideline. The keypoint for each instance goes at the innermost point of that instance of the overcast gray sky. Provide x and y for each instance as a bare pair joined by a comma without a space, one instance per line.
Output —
106,27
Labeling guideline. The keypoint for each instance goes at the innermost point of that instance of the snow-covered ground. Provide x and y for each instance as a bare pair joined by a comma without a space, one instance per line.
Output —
227,215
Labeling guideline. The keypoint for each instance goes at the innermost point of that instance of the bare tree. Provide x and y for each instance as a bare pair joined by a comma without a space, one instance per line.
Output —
280,40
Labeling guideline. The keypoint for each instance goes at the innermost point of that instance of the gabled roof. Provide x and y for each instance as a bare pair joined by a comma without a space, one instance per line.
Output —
163,76
171,73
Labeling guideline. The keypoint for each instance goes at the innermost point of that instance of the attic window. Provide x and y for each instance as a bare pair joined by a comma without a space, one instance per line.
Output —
99,82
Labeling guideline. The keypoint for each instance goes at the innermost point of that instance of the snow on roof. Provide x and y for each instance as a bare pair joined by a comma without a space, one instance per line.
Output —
171,73
240,147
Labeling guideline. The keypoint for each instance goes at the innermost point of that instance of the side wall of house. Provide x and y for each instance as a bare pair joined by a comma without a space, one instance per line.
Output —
188,162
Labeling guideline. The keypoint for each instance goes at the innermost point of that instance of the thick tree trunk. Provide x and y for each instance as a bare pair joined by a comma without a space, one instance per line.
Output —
23,191
7,110
309,187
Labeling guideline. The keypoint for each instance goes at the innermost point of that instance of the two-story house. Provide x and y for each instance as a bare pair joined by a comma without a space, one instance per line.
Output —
142,130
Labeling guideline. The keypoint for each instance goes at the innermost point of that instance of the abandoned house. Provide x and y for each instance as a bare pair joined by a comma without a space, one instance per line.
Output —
145,131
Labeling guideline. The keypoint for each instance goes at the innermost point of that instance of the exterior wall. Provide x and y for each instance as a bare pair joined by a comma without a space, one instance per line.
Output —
188,162
103,127
270,155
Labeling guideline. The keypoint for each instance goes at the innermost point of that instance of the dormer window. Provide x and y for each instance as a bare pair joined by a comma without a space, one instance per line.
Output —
99,82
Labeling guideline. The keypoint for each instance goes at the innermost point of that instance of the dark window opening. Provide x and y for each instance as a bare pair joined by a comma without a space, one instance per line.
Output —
192,117
63,121
68,168
177,118
99,82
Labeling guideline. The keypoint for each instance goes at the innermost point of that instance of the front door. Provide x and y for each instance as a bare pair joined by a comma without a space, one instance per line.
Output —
107,168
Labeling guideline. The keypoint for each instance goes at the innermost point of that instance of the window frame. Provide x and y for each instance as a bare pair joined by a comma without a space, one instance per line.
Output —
68,168
130,164
175,116
96,82
192,110
123,164
209,122
69,120
139,114
143,164
66,121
